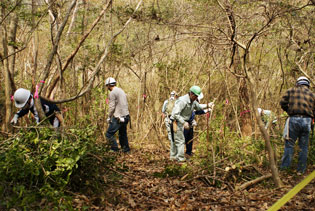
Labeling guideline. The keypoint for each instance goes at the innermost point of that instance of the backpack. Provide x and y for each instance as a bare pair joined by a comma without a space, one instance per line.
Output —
170,106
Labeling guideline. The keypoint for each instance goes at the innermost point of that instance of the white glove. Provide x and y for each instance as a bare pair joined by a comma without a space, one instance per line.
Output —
186,125
210,105
193,123
14,119
207,110
121,119
167,120
108,120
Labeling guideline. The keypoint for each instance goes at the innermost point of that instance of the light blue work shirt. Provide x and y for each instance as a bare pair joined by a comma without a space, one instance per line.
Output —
183,109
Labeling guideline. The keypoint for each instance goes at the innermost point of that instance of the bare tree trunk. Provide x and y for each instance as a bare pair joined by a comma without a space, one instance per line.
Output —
273,166
9,63
51,56
250,80
245,117
12,47
7,83
35,47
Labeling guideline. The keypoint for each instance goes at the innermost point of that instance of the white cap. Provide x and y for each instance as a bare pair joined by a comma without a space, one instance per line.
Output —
21,97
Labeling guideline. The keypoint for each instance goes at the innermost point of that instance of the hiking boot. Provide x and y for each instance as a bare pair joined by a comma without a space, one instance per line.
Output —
172,158
113,151
127,152
181,161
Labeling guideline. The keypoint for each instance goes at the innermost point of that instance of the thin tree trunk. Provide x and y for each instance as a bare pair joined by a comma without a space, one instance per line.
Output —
72,55
9,63
7,83
35,46
51,56
273,166
245,112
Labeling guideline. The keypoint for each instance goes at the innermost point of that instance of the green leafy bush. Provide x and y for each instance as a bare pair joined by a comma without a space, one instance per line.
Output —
174,170
40,165
226,148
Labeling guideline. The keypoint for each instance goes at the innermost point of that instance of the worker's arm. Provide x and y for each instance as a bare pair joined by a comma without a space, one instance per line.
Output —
58,115
284,103
112,104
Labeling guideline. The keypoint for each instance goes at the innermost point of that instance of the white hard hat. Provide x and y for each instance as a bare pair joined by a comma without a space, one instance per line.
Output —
303,81
110,81
21,97
173,93
200,97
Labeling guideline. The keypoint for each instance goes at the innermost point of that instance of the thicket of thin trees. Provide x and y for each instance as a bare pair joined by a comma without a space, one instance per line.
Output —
244,55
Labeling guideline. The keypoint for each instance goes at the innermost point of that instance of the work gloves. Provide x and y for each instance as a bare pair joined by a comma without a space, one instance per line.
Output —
14,119
168,120
121,119
186,126
210,105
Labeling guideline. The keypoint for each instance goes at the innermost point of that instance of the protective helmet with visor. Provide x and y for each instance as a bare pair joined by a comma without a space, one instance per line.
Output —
303,81
21,97
196,90
110,82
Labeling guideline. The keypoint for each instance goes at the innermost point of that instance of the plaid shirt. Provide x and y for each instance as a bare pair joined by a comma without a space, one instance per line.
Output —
299,100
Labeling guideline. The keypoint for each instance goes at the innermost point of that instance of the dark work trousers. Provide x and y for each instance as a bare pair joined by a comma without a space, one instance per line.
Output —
114,126
189,134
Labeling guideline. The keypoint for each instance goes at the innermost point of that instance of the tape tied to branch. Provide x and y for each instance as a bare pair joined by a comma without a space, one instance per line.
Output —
36,89
244,112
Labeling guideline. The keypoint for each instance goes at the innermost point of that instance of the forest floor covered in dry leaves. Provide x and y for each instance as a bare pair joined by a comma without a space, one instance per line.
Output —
151,181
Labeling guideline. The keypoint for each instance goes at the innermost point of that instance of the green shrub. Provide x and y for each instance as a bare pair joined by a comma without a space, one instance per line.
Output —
226,148
174,170
40,165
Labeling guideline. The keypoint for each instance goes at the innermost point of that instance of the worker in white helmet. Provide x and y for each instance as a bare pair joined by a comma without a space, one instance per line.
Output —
24,100
118,116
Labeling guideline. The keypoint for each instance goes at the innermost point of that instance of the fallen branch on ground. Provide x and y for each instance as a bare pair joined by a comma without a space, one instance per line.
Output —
252,182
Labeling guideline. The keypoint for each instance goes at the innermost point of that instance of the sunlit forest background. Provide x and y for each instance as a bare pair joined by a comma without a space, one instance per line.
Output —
243,54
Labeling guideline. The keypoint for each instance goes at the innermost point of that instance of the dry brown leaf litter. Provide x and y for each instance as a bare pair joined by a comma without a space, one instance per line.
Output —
140,189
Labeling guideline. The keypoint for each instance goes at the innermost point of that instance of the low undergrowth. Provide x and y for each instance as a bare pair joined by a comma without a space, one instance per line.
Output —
44,168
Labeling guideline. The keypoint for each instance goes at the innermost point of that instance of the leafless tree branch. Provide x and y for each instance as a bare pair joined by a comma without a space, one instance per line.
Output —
56,43
15,6
72,55
98,66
